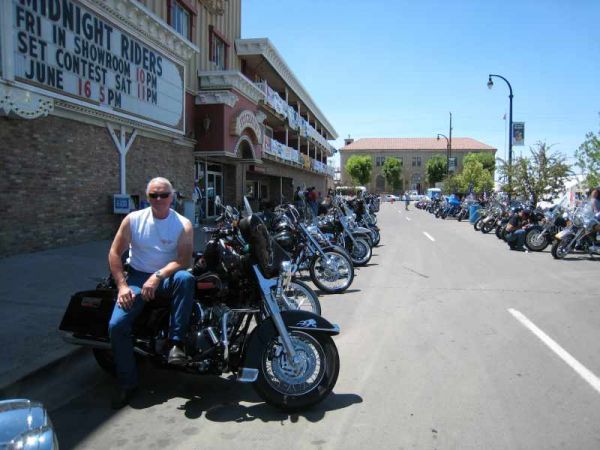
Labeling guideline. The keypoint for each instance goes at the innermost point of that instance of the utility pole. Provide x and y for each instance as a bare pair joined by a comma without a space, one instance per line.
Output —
450,143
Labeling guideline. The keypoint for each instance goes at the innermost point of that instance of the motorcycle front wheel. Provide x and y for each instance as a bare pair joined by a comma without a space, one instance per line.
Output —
560,248
487,227
477,225
333,277
535,240
299,295
295,386
361,252
376,238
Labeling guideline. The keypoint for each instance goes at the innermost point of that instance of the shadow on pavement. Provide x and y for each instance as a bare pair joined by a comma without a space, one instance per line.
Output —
319,292
214,398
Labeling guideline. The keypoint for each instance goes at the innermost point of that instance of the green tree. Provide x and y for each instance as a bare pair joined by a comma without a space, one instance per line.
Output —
392,171
588,159
453,184
539,177
486,159
436,169
359,167
474,173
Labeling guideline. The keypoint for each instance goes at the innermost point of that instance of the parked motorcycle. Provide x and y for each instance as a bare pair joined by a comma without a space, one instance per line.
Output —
288,355
580,235
341,230
541,235
330,267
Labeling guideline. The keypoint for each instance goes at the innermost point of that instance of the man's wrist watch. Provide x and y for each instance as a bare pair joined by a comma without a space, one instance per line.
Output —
158,275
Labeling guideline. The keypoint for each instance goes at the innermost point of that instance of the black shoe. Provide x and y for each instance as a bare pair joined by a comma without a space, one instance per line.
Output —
177,356
122,398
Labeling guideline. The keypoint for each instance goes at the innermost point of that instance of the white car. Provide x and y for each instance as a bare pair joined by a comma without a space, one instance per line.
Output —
389,198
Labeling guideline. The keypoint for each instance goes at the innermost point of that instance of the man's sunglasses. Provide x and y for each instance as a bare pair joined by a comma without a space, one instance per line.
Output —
159,195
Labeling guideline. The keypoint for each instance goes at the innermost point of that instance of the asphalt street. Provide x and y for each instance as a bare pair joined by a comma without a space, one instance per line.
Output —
449,341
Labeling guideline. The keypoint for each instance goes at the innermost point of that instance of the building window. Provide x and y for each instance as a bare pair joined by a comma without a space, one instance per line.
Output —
218,50
180,19
416,161
399,158
379,161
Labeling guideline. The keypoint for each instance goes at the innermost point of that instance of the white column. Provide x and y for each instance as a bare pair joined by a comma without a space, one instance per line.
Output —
123,146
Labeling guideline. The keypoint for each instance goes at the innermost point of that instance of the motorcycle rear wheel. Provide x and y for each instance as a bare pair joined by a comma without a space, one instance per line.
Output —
105,360
291,388
329,282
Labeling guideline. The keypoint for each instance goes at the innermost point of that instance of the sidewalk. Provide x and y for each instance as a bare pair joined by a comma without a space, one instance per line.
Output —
34,294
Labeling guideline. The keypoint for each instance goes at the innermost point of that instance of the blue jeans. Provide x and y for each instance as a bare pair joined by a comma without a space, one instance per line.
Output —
179,287
516,239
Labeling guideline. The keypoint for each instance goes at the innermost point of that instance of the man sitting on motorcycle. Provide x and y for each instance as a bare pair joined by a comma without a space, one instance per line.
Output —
515,234
160,243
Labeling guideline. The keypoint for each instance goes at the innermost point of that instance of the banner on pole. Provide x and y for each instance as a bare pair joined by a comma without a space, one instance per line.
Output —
518,133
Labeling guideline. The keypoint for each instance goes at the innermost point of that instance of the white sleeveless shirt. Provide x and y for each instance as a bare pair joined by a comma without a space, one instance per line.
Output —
154,241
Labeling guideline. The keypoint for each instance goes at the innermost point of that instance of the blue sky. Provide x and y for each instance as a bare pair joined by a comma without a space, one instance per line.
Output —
397,68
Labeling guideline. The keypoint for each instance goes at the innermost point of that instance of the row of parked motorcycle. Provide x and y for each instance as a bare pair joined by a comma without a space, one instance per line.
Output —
565,230
253,314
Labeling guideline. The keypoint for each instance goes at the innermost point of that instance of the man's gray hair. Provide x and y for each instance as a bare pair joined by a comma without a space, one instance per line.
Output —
160,180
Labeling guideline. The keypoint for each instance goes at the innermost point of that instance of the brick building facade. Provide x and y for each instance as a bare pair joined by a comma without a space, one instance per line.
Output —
221,111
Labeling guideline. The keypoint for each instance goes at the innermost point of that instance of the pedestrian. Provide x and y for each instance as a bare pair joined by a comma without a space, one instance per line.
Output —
406,200
312,200
160,244
515,234
198,203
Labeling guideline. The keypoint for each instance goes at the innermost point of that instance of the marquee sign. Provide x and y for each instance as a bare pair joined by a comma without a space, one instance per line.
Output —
68,50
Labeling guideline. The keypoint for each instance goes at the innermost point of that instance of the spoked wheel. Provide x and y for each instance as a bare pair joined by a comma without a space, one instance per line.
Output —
477,225
560,249
376,238
306,381
332,273
299,295
487,227
535,240
361,252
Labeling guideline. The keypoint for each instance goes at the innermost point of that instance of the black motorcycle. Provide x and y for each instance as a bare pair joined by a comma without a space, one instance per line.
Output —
541,235
329,266
288,356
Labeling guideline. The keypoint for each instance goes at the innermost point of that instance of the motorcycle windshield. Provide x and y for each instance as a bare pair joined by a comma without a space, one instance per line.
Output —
264,250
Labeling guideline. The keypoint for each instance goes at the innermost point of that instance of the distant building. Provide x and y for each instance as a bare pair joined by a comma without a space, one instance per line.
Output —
412,152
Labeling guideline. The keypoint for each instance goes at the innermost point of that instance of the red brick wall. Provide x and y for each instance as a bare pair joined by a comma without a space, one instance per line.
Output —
59,175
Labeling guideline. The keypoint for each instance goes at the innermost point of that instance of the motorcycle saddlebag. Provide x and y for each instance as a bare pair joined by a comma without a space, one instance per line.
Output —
89,312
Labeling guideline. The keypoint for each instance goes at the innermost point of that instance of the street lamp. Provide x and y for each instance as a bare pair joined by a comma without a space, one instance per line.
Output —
490,85
447,152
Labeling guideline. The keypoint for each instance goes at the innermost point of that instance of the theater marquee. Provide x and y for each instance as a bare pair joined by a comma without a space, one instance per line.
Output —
68,50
